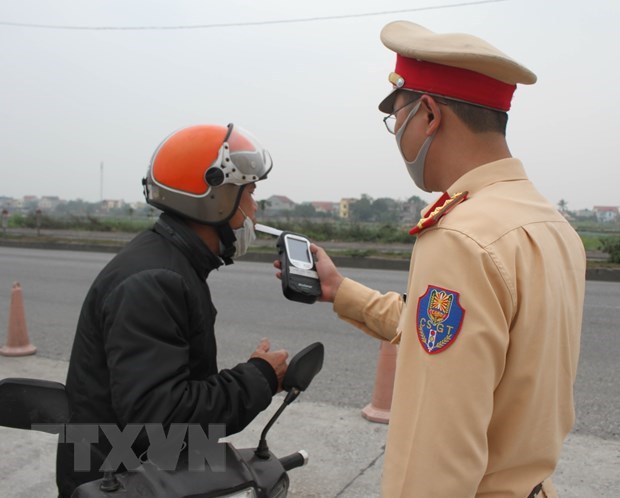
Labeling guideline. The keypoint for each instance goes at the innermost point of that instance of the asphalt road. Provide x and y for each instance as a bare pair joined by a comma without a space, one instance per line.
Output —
250,306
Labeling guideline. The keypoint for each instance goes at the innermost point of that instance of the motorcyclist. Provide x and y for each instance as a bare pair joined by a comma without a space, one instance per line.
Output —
145,348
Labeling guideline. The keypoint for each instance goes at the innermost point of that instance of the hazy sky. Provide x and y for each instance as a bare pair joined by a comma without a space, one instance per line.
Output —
73,98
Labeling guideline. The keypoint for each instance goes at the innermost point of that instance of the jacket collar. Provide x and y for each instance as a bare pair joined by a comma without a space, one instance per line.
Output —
174,229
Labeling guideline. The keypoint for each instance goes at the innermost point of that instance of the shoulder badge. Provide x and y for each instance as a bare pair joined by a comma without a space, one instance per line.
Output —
439,319
444,204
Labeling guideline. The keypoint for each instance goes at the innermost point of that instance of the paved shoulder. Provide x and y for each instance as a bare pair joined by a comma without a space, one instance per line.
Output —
346,451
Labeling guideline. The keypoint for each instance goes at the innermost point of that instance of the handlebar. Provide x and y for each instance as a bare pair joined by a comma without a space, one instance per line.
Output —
294,460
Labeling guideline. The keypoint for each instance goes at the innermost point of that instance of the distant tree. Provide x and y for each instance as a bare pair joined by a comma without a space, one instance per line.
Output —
263,205
304,210
385,210
362,209
76,208
417,203
144,210
562,205
611,246
414,199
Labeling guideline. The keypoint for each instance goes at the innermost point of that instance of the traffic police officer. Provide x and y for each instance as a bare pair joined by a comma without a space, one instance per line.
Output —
489,331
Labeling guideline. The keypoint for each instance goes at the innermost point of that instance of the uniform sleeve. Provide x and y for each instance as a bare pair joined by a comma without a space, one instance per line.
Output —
452,355
147,345
374,313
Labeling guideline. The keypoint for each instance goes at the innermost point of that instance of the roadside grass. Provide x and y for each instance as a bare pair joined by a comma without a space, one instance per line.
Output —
596,237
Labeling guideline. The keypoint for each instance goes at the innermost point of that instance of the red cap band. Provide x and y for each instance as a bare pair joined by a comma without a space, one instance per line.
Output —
454,82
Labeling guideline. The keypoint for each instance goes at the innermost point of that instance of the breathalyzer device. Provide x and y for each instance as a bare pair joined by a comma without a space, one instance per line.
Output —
300,281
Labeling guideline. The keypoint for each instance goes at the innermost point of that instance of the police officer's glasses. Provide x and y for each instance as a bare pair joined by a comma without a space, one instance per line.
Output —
390,120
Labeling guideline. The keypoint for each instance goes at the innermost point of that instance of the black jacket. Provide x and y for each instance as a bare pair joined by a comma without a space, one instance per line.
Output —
145,350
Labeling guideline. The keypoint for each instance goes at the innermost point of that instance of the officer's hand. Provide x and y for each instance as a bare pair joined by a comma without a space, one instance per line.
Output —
329,275
277,359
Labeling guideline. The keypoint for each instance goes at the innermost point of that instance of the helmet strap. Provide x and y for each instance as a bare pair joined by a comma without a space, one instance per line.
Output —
227,239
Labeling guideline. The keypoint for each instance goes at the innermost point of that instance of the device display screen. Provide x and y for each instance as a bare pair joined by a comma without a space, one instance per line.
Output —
298,250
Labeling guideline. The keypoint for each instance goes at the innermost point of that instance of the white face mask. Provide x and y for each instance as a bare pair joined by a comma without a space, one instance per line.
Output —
245,235
415,167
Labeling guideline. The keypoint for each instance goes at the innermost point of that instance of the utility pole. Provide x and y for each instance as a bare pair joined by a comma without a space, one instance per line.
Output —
101,182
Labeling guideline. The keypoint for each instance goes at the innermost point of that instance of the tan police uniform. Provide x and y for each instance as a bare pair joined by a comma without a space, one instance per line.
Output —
489,341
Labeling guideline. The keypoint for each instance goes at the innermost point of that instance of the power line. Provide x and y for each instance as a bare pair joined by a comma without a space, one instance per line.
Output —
249,23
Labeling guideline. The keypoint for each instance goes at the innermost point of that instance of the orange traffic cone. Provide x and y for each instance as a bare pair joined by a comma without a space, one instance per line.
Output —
17,342
378,410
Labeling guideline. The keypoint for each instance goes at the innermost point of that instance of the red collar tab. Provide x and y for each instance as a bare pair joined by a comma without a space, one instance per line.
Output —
454,82
444,204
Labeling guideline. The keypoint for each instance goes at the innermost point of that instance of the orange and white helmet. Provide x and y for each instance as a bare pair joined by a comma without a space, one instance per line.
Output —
199,172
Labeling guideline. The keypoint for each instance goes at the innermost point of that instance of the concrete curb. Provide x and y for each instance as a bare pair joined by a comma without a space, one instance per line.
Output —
603,274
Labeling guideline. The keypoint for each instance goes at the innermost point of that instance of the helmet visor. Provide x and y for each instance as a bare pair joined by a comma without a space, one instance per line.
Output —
251,161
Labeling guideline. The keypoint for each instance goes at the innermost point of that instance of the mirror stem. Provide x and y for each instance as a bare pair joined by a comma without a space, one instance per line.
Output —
262,450
291,396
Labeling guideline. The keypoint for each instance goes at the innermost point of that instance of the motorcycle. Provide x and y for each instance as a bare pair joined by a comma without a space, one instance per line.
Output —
34,404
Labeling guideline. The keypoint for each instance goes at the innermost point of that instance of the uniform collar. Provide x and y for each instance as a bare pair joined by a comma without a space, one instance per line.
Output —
504,170
466,186
187,241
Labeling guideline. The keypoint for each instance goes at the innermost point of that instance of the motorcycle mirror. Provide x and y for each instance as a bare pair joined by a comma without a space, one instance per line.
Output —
33,404
300,372
303,367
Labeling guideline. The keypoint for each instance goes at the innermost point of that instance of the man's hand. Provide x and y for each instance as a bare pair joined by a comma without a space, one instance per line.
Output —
277,359
329,275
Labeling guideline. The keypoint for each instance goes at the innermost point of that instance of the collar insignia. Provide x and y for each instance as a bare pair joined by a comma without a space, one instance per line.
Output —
443,205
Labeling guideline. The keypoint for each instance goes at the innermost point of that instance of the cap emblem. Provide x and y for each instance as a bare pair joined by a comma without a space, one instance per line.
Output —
396,79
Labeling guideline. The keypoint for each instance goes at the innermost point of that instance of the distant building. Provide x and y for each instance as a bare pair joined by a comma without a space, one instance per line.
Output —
278,204
29,202
345,207
606,213
325,207
584,214
412,209
109,204
49,202
138,205
9,203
